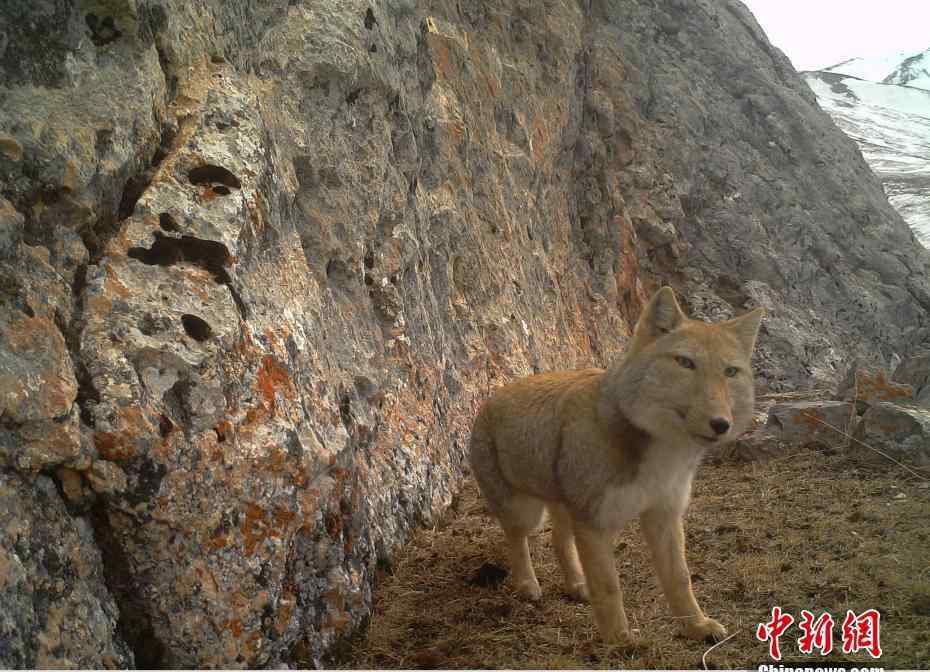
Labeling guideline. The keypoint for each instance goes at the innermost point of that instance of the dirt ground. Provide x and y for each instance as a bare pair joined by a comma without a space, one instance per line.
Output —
813,530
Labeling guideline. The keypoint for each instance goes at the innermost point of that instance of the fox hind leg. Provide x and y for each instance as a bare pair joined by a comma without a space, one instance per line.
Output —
519,515
519,518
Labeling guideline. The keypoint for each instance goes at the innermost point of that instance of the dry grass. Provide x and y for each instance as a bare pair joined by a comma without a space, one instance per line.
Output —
817,531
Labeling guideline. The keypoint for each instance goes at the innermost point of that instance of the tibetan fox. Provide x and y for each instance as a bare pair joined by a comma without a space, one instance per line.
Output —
597,448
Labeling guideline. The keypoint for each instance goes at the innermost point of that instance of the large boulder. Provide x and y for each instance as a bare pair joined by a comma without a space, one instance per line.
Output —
260,261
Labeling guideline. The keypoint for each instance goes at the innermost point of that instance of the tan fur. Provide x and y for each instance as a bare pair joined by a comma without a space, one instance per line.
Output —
598,448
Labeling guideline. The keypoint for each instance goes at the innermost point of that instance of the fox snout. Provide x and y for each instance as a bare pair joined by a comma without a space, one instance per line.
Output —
712,424
720,425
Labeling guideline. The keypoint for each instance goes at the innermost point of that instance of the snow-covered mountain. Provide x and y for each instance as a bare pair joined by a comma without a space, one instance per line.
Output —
913,71
873,69
902,68
884,105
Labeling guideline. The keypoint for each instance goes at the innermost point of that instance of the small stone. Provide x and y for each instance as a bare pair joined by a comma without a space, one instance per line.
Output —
807,422
901,431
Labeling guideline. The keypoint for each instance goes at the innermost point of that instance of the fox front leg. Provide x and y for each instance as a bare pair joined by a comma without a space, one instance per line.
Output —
666,538
596,550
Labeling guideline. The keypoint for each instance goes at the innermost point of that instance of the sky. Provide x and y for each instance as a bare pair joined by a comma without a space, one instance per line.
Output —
816,34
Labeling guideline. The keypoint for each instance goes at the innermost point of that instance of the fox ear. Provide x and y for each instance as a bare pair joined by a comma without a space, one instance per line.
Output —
661,315
746,328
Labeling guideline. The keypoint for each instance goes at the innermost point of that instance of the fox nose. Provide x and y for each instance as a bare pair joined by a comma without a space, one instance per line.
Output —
720,425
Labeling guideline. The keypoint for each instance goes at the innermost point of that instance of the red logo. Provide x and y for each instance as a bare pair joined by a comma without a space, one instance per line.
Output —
775,628
816,635
860,633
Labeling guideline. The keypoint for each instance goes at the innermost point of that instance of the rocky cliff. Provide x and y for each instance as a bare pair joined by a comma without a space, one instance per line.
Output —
261,260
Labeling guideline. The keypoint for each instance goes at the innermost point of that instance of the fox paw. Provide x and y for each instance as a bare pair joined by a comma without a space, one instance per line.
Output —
578,591
529,590
623,638
706,629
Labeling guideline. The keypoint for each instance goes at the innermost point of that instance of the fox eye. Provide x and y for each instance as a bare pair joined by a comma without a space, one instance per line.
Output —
684,362
730,371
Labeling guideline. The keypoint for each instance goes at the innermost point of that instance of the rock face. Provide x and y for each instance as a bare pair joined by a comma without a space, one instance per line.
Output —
261,261
57,612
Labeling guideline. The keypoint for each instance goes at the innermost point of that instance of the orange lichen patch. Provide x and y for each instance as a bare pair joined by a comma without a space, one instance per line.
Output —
112,446
218,542
283,518
119,445
114,283
258,526
876,388
271,378
224,431
254,527
235,627
275,460
809,418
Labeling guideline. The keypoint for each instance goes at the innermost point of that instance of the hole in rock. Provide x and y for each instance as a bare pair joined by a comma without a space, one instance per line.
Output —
168,223
212,175
132,192
166,251
370,20
165,426
196,327
102,31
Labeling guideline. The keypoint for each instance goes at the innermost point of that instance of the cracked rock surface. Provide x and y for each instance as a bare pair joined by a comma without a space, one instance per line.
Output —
260,261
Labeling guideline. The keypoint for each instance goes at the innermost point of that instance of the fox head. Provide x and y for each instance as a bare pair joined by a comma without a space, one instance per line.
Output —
687,379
